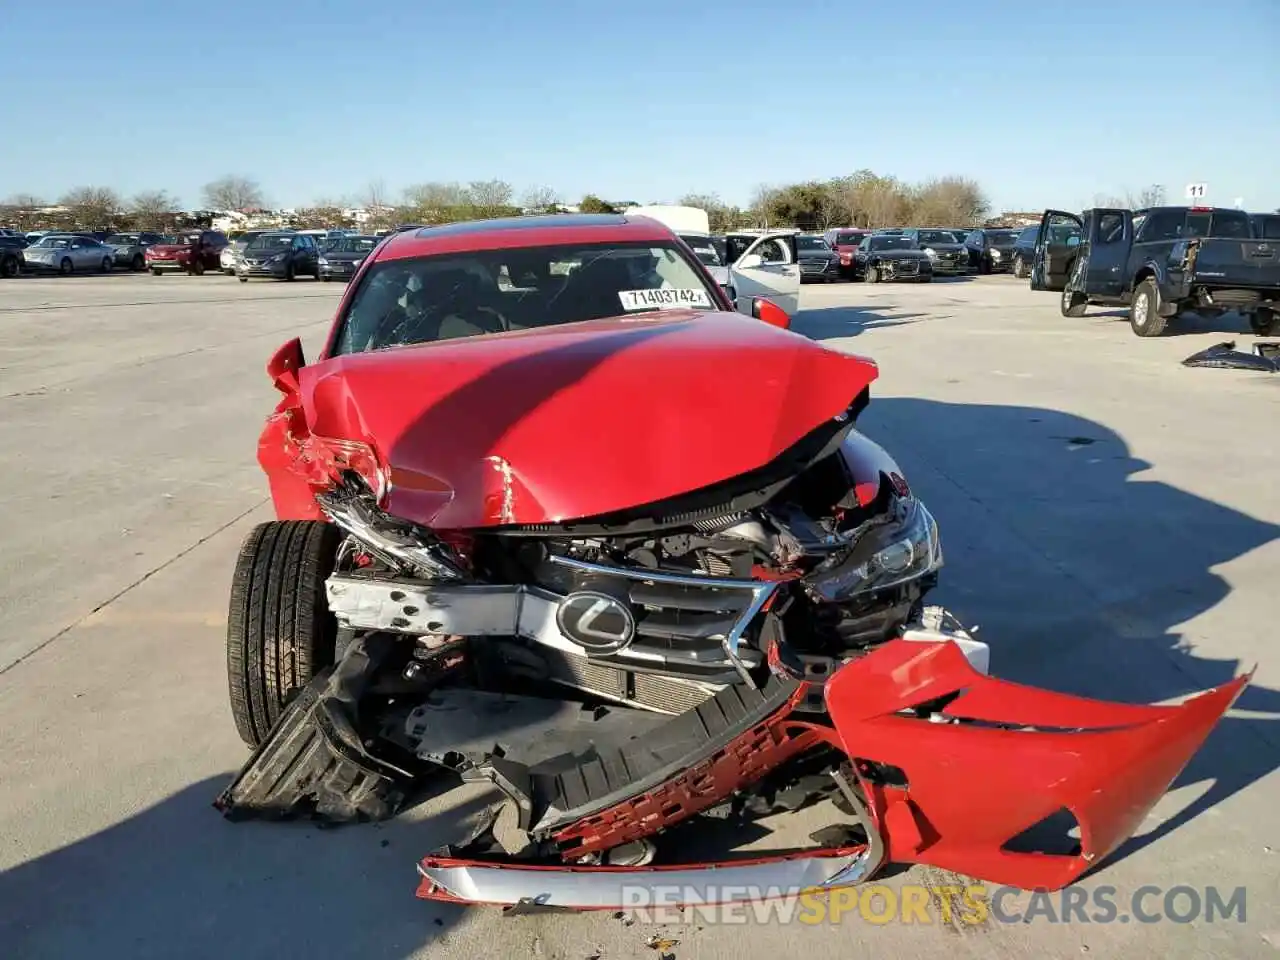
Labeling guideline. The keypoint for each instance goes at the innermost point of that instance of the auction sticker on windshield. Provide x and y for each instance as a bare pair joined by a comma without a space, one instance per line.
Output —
657,299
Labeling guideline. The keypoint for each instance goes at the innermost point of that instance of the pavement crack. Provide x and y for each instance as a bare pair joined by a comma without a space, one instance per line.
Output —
136,583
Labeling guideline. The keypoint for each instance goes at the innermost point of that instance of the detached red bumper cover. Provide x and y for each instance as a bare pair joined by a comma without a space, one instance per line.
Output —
951,787
1017,756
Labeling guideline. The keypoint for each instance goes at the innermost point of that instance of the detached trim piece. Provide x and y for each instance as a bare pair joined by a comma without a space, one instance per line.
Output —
1265,357
313,763
615,888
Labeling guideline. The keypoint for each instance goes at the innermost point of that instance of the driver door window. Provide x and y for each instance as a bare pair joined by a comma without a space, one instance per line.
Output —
773,251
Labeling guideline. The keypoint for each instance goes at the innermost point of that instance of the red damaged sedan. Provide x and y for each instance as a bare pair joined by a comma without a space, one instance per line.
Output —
554,518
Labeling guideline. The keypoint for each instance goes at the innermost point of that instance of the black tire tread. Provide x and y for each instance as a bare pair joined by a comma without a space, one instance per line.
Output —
279,630
1156,322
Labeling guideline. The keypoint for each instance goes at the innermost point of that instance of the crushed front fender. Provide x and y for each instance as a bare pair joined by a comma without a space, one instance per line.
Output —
986,761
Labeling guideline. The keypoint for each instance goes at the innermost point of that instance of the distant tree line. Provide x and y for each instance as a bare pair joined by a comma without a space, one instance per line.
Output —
861,199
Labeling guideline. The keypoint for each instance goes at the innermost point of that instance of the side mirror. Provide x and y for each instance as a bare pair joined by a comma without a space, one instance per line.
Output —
770,313
284,365
750,261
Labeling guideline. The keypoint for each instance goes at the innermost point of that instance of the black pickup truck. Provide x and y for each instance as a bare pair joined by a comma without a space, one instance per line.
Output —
1160,262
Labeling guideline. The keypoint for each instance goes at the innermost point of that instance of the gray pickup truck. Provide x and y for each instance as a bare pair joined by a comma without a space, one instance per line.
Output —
1160,262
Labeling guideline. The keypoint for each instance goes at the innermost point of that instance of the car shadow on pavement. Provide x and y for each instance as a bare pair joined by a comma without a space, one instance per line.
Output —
1084,577
829,323
1184,324
177,880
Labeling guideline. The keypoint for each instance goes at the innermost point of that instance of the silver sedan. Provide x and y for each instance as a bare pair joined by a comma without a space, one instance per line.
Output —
66,253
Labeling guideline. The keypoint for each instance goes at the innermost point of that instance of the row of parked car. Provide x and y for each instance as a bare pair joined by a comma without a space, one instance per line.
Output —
280,254
910,253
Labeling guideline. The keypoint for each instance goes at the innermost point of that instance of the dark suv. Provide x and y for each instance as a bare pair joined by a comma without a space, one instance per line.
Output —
281,255
1024,251
991,250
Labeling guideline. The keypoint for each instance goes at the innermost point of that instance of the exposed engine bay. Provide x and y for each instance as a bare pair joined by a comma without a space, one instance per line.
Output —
658,618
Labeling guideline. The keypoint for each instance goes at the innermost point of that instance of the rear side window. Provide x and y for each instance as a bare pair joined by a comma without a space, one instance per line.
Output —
1268,228
1163,225
1110,228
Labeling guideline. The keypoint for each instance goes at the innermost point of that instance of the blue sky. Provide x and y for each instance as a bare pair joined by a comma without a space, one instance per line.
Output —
1045,104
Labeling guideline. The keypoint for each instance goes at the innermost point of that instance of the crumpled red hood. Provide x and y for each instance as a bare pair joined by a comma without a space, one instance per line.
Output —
581,419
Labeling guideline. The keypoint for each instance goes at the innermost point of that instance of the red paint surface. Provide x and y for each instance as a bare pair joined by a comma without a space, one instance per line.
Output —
971,789
565,421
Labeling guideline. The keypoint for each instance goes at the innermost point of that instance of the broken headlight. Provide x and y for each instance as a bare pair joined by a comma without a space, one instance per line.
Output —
885,555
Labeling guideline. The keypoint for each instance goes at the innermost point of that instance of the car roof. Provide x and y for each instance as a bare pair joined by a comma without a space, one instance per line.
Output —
534,231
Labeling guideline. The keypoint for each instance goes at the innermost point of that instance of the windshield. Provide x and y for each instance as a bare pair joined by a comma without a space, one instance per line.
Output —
122,238
937,236
1001,238
354,245
892,243
426,299
271,241
811,244
703,249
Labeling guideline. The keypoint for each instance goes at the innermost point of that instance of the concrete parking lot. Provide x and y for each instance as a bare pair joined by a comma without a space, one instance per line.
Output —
1111,520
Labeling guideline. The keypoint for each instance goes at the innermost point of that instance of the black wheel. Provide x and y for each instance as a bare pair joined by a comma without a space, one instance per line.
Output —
927,278
157,272
289,272
1020,267
279,630
137,264
871,274
1265,322
9,267
198,268
66,268
326,278
244,279
107,264
1072,304
1144,310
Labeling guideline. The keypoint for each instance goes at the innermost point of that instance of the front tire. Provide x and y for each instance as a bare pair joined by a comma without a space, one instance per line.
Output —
1144,310
1072,304
66,268
107,264
198,268
1020,268
137,264
280,632
10,267
157,272
872,273
289,273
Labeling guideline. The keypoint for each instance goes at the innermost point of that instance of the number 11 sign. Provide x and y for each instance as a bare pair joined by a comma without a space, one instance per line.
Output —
1197,191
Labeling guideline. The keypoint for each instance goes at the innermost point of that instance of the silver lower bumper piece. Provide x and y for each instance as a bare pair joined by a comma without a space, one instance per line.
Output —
614,888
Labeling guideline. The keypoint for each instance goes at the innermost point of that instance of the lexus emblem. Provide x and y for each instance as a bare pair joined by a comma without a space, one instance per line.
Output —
596,621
